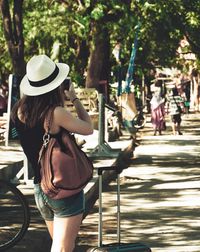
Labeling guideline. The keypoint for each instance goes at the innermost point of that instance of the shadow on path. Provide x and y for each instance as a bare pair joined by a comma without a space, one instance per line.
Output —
160,196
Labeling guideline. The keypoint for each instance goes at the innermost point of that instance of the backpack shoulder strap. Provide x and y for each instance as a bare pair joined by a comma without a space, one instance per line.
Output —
46,136
48,120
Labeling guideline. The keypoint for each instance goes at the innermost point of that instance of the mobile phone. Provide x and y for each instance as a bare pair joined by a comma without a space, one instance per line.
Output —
66,83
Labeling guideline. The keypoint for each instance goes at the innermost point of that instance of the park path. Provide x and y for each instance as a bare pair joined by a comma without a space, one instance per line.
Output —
160,196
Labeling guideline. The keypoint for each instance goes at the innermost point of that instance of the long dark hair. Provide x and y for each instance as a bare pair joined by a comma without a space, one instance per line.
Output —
33,109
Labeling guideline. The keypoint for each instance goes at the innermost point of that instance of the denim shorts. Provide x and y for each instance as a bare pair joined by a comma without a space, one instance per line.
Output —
60,208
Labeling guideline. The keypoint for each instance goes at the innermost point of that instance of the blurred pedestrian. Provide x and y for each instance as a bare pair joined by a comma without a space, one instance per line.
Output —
3,102
43,91
175,109
158,113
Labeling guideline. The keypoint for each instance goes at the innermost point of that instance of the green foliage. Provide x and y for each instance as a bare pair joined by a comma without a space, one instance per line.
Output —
98,12
65,30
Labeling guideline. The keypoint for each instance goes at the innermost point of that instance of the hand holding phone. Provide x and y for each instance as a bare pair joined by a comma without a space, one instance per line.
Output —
66,83
69,89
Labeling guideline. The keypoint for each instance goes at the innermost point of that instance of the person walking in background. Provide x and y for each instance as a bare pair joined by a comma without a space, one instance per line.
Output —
175,110
43,91
3,102
158,112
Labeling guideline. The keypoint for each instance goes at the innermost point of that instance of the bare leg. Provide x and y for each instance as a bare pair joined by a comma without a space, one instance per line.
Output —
50,227
65,231
179,129
174,128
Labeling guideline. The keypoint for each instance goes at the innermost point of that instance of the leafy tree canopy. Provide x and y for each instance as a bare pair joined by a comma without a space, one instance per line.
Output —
65,29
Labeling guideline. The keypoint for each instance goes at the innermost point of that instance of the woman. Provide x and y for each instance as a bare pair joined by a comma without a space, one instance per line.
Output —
157,113
42,90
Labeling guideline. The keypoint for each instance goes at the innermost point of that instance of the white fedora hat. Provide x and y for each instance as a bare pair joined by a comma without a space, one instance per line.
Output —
42,75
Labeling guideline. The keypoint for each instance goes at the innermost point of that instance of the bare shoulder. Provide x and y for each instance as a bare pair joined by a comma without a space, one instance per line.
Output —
61,113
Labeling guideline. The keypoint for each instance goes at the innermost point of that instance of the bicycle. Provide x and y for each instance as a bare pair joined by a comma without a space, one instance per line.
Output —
14,215
139,120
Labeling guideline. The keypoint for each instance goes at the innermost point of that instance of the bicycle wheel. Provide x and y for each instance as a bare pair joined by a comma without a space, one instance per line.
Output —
14,215
139,121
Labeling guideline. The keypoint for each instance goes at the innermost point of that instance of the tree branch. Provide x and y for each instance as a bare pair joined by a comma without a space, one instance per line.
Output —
17,22
7,20
195,46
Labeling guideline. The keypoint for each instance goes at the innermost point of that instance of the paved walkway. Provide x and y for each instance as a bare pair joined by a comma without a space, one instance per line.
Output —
11,160
160,196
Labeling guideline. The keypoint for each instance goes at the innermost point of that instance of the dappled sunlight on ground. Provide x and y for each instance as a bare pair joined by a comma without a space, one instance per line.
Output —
160,196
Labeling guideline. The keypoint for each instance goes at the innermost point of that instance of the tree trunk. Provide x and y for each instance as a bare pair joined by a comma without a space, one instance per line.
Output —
98,66
13,31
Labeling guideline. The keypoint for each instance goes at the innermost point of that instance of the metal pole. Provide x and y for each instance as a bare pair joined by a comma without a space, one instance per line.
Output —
118,210
101,119
100,212
10,80
25,169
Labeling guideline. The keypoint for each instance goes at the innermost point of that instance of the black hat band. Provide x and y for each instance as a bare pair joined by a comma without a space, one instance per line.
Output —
45,81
